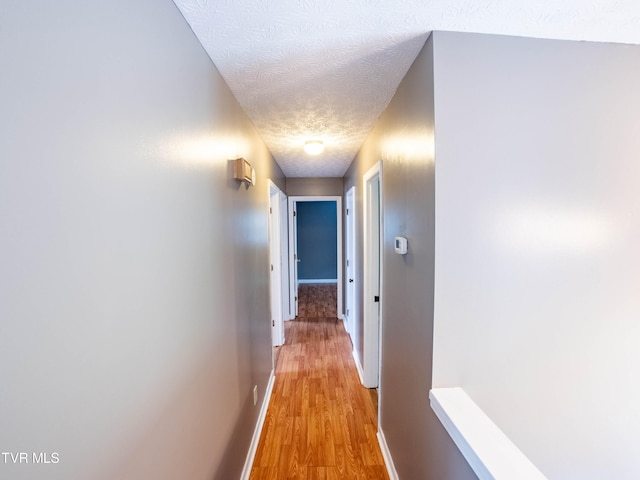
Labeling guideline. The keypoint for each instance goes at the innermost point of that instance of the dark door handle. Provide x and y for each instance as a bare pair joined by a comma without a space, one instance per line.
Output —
351,280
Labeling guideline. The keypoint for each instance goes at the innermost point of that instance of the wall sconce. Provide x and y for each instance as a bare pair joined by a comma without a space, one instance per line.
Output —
314,147
243,171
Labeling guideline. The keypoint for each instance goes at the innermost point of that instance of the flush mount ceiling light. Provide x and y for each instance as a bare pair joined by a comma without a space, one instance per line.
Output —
314,147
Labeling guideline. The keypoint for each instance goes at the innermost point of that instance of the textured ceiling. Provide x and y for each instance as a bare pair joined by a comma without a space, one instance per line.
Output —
307,69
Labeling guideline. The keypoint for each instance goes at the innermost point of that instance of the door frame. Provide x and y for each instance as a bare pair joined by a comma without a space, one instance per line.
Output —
293,281
275,264
372,277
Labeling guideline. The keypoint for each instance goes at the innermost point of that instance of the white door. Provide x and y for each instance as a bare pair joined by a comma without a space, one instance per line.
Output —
350,264
284,256
275,263
372,269
293,260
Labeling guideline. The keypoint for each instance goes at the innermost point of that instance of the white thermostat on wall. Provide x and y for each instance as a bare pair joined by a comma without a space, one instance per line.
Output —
400,245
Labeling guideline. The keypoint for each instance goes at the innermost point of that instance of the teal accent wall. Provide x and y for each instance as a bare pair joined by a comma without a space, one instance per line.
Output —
317,240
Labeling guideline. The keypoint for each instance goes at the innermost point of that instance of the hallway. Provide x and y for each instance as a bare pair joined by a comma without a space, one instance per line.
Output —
321,422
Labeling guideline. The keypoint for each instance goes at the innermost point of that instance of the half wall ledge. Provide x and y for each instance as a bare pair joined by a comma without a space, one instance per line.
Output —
490,453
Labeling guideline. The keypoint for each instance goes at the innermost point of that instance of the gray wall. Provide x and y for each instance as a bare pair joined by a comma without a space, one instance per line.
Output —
129,344
403,139
538,266
316,186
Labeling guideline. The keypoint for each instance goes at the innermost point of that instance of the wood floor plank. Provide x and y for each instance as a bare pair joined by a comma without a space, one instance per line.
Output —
321,422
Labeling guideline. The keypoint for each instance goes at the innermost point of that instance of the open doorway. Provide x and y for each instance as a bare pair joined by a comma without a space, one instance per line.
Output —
315,247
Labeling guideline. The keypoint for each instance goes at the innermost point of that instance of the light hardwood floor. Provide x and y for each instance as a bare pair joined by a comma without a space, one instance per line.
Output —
321,423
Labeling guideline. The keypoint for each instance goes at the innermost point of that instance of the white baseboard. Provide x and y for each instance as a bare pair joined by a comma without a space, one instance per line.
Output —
341,316
248,463
386,454
358,366
319,280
